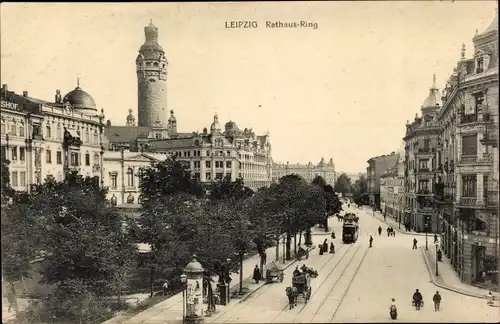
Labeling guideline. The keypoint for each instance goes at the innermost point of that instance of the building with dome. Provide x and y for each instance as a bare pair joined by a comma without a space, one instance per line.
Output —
307,171
47,139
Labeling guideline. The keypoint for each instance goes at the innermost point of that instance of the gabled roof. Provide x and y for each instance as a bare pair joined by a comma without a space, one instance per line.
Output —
171,143
126,134
25,104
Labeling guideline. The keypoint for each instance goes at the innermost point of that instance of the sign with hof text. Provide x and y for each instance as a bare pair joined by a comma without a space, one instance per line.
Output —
9,105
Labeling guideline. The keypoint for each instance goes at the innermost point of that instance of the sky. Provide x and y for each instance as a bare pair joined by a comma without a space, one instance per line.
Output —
343,90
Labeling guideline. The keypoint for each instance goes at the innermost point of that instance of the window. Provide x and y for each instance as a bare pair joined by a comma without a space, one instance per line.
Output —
22,153
87,159
86,139
21,130
427,144
208,176
22,178
75,159
197,176
485,186
207,164
197,164
14,153
423,185
479,99
3,153
48,131
96,140
219,164
218,176
228,164
58,132
14,179
96,158
158,135
49,156
423,164
228,175
469,186
59,157
114,180
130,177
469,145
208,153
480,65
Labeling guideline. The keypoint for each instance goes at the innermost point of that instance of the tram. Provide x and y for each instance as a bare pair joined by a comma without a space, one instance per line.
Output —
350,232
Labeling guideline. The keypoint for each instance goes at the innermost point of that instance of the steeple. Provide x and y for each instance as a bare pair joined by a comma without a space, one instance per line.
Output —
433,99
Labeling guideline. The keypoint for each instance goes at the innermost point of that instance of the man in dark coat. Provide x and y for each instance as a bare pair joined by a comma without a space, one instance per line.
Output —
256,274
371,241
325,246
379,230
414,244
417,299
437,301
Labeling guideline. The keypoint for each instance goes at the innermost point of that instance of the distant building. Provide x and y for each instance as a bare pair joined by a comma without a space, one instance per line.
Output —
376,167
392,193
307,171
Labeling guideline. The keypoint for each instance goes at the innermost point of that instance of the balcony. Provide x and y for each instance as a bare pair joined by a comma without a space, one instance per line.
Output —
424,192
465,119
426,150
467,159
468,201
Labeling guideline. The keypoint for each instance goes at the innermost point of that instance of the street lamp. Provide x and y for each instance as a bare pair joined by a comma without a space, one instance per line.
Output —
183,282
437,262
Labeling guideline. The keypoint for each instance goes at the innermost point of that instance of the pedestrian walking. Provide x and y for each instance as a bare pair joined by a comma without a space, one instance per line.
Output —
256,274
435,238
379,231
437,301
388,231
165,288
414,244
393,233
371,241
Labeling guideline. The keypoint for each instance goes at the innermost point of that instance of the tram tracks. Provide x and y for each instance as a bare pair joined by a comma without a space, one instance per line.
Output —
267,287
315,291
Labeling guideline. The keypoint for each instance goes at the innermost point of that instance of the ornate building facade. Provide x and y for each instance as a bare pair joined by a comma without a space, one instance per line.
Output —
421,140
44,139
307,171
467,195
392,190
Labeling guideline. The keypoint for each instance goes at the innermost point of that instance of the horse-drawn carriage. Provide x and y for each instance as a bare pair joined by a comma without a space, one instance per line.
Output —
274,272
303,252
301,285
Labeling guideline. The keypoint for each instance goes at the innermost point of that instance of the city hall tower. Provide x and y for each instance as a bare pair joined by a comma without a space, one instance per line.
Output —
151,68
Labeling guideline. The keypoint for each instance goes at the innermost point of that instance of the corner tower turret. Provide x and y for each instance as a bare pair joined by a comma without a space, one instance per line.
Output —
151,68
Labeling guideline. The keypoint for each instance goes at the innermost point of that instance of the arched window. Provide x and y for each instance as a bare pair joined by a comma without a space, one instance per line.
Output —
130,177
130,199
48,131
87,136
95,139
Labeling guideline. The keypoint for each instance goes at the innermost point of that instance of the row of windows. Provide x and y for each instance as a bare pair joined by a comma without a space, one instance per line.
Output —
18,179
208,176
14,130
130,178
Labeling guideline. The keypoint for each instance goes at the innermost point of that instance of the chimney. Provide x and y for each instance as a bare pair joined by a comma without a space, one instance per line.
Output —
25,93
4,87
58,96
108,122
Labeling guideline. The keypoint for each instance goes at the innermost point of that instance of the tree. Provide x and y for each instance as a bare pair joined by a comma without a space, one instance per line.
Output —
319,181
88,255
168,190
343,184
225,189
360,191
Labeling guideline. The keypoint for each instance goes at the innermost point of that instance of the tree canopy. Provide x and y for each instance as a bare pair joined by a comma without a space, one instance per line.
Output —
343,184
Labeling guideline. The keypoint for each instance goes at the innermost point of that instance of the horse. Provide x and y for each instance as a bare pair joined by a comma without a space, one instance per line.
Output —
291,293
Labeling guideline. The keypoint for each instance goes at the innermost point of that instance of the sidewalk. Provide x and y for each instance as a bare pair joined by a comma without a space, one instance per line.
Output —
447,277
170,310
392,222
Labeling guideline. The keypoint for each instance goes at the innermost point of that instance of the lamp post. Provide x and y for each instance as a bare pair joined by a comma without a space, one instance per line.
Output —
437,262
183,282
426,241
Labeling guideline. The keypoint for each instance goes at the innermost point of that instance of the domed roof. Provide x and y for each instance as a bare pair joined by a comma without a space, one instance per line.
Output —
322,162
151,44
194,266
215,125
434,97
80,99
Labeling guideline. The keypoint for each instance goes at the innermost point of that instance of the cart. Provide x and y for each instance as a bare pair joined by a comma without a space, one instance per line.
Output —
302,283
274,272
303,252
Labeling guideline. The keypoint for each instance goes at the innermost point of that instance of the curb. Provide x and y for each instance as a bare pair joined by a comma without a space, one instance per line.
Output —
442,286
255,290
398,229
